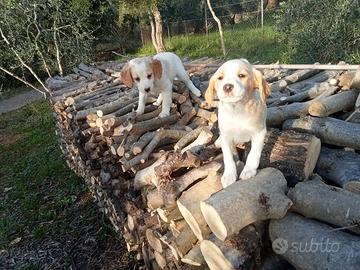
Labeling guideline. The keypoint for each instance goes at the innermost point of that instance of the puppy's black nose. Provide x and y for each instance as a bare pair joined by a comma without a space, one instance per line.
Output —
147,89
228,87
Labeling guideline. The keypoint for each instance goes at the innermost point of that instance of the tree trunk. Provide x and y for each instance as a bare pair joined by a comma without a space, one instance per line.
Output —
247,201
311,245
317,200
219,26
153,36
160,47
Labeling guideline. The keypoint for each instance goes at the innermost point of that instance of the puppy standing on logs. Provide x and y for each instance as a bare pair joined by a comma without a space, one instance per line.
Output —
242,92
155,75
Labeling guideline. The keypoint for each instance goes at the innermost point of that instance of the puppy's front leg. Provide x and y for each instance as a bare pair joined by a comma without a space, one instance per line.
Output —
159,100
253,159
142,102
230,175
166,103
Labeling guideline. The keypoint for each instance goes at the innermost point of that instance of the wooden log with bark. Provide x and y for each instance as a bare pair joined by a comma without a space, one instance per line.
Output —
337,206
340,167
328,105
329,130
309,244
238,252
294,154
244,202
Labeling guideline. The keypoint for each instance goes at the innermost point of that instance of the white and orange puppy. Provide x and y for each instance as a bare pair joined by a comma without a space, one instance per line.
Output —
155,75
242,93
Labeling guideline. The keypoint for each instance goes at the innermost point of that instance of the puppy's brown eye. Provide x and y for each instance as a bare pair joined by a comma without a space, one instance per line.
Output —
241,76
220,78
149,76
137,79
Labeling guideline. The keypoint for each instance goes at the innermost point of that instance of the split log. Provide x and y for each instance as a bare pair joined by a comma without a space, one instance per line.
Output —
337,206
328,105
294,154
238,252
171,191
329,130
244,202
189,204
311,245
194,257
341,167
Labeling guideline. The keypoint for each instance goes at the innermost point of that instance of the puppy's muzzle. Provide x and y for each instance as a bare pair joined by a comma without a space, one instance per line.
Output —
228,88
147,90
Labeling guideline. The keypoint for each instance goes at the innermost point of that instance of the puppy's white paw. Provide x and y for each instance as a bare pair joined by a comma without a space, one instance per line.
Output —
228,178
139,112
247,173
164,114
157,103
196,92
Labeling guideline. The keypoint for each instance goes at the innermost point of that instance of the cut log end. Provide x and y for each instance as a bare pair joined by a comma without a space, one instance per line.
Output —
214,258
353,186
214,221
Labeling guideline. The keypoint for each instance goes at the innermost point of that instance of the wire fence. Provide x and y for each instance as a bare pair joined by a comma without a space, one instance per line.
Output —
241,14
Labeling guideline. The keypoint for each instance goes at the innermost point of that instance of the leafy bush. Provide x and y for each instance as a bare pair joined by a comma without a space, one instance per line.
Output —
324,31
44,33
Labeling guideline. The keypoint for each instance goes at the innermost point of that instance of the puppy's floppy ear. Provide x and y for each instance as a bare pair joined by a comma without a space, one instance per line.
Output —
259,82
157,68
210,91
126,76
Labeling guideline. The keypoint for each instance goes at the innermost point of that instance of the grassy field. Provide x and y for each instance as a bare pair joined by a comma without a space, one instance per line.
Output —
241,41
48,218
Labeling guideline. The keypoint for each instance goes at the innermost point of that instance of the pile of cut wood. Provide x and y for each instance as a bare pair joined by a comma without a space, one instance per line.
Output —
158,179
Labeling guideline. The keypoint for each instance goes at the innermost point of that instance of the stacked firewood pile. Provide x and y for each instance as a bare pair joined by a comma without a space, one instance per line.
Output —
158,179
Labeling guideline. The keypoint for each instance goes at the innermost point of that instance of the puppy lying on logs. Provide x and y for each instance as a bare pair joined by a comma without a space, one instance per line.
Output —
155,75
242,114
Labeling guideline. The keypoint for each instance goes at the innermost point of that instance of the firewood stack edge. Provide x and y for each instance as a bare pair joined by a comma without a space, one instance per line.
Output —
158,179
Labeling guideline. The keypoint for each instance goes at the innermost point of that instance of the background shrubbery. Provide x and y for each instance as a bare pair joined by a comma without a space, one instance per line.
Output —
320,31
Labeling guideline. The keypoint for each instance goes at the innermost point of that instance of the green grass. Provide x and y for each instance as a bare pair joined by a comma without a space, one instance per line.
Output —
241,41
40,197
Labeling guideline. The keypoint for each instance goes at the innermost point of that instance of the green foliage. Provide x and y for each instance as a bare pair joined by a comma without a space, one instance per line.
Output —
30,26
241,41
320,30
